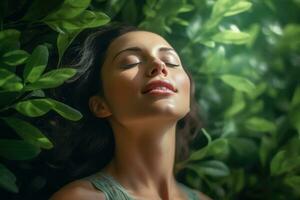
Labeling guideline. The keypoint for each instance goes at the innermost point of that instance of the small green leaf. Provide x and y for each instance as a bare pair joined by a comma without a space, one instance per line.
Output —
186,8
28,132
87,19
34,107
10,34
265,149
39,9
51,79
296,97
238,83
9,81
293,181
239,7
17,149
69,9
294,117
238,104
208,137
231,37
213,168
36,64
214,63
215,148
291,163
260,124
65,110
194,28
14,58
64,40
8,180
276,163
9,40
243,149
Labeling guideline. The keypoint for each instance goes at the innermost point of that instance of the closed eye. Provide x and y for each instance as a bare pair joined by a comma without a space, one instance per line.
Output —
131,65
172,65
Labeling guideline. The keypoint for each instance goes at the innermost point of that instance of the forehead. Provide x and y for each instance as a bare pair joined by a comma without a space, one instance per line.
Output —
143,39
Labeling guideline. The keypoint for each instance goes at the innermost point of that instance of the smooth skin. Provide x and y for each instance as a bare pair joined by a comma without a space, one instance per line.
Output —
144,125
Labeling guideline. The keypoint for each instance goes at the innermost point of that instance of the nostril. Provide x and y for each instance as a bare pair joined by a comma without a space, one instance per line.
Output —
154,71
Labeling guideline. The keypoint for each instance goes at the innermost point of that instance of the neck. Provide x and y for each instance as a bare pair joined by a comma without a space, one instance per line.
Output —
144,160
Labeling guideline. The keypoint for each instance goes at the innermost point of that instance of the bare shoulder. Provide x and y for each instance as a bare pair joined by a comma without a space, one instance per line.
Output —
202,196
78,190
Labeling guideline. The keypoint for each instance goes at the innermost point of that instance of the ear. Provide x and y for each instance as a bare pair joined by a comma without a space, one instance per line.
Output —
99,107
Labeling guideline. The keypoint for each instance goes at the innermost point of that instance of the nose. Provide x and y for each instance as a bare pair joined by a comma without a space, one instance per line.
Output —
157,67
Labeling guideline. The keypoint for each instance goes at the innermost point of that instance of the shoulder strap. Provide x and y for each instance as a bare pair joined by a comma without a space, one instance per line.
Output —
112,189
192,194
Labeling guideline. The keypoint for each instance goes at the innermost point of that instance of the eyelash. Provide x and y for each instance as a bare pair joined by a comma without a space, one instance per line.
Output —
134,64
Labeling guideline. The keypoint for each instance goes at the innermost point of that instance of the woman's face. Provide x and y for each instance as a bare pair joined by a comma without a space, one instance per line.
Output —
143,79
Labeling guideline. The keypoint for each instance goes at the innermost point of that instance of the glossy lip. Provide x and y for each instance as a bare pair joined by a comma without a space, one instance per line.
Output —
150,87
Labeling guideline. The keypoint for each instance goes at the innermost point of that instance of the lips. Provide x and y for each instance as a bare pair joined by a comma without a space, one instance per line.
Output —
160,85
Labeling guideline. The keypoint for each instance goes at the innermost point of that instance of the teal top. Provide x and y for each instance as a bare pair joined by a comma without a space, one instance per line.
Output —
112,190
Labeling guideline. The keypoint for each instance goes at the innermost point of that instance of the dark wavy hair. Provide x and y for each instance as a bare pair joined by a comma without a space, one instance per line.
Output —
86,146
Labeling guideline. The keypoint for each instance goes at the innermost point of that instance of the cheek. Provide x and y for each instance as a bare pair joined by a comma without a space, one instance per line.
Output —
119,89
183,84
184,89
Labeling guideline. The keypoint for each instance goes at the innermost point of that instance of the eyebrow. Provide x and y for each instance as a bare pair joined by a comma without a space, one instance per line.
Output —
137,49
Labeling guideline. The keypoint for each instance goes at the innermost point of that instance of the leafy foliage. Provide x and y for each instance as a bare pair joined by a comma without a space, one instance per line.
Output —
244,57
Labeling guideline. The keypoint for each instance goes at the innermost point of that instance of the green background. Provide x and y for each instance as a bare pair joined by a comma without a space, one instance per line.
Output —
244,56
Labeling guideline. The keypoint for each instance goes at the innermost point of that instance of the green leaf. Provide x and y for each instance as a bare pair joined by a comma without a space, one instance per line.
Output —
218,11
294,117
296,97
260,124
238,83
186,8
276,163
243,149
36,93
64,40
28,132
9,40
36,64
9,81
34,107
65,110
52,79
265,149
213,168
238,104
17,149
112,8
214,62
14,58
239,7
87,19
231,37
293,181
193,30
8,180
291,163
221,6
69,9
206,135
215,148
9,34
39,9
180,21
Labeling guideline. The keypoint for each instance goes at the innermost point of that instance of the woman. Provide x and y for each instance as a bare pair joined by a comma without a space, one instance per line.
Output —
138,93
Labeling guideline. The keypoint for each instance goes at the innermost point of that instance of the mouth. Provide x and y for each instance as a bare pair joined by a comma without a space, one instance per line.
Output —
159,87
